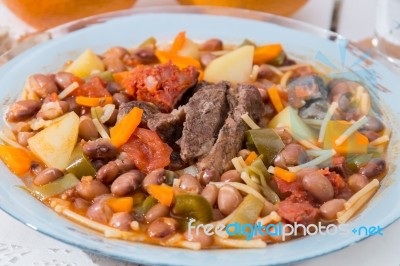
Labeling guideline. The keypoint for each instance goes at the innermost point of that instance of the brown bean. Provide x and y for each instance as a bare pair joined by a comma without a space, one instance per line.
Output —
21,127
145,55
163,227
114,64
210,193
231,176
36,168
113,119
99,149
90,189
371,135
120,98
43,85
87,129
121,221
292,155
116,52
318,186
373,124
374,168
64,79
357,182
189,184
199,236
263,94
228,199
330,208
211,45
156,177
22,110
99,212
81,204
50,110
285,136
208,175
64,106
22,137
73,106
244,153
108,172
156,212
126,183
207,58
124,163
48,175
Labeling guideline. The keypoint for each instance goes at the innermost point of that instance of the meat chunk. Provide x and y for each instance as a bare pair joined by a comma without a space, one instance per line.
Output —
244,99
162,84
297,209
149,110
306,88
205,114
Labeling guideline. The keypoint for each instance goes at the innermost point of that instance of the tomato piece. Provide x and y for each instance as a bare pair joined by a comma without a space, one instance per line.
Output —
94,87
147,151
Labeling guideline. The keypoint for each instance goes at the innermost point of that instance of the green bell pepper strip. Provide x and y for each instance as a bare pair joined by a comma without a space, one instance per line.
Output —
79,165
54,188
189,206
266,142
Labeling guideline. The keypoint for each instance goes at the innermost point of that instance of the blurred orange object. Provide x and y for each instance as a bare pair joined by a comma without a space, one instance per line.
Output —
44,14
277,7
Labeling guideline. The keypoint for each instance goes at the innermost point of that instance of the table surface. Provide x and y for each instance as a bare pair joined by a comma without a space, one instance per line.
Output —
20,245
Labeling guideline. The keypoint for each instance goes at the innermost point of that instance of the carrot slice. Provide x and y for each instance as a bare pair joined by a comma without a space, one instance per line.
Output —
179,61
122,131
285,174
17,160
266,53
93,101
250,158
163,193
275,98
178,43
120,77
124,204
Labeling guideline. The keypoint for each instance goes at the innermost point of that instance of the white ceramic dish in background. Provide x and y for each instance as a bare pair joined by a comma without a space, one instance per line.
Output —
129,28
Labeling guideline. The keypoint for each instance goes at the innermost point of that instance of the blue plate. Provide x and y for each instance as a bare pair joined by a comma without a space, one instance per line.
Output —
326,50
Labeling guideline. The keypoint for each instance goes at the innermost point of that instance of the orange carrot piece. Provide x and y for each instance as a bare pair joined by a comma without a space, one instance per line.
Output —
275,98
250,158
178,43
124,204
17,160
123,130
93,101
179,61
285,174
163,193
120,77
266,53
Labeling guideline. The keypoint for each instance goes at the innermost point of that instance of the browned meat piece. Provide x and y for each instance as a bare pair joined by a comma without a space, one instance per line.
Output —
162,84
340,167
169,127
149,110
205,114
297,209
244,99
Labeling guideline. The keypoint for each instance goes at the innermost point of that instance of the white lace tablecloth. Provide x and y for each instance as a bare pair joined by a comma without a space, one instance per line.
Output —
22,246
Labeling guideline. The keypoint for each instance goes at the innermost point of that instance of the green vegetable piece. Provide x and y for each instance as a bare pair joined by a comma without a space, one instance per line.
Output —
266,142
356,161
289,118
106,76
247,212
248,42
169,177
278,61
148,42
54,188
191,206
79,165
258,168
